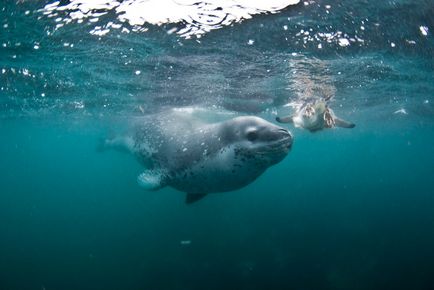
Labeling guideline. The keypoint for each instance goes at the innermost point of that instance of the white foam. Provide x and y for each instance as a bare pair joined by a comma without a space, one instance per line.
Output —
199,17
343,42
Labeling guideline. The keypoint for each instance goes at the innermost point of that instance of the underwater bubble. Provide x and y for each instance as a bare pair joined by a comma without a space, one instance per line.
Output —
423,30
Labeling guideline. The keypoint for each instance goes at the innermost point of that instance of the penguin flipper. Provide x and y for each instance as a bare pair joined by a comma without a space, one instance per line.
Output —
344,124
286,119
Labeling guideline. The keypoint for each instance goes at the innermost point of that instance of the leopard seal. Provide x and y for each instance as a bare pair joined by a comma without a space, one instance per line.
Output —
315,115
198,154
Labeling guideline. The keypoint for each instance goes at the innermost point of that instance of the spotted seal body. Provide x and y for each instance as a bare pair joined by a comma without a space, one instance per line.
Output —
314,116
199,157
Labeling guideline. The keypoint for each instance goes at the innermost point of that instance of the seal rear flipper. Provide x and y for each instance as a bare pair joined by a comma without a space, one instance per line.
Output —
286,119
151,179
344,124
193,197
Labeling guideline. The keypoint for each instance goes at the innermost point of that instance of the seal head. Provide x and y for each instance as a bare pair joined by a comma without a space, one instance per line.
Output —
237,153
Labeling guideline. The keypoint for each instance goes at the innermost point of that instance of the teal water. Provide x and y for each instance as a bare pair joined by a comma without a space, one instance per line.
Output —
346,209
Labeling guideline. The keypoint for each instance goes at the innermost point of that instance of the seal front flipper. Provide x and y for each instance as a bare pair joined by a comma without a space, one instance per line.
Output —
193,197
286,119
151,179
344,124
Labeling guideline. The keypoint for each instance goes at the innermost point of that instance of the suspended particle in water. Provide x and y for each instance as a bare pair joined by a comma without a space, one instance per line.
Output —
412,42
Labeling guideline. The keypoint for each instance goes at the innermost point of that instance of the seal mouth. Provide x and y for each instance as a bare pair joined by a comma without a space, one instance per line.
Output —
281,145
285,140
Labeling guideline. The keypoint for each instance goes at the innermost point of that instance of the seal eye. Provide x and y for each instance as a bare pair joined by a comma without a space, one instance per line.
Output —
252,136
